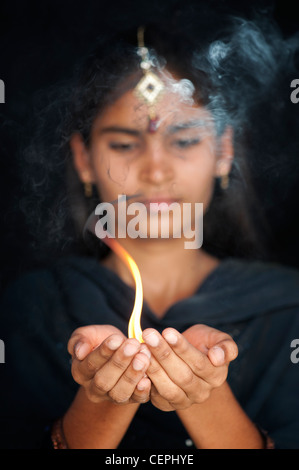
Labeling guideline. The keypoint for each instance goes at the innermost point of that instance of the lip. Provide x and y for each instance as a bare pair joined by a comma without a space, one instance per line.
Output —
159,204
158,200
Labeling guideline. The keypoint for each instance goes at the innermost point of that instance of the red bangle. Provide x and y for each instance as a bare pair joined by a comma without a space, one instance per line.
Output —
57,435
268,442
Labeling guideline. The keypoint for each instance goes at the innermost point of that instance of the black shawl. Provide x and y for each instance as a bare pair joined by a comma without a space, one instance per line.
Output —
256,303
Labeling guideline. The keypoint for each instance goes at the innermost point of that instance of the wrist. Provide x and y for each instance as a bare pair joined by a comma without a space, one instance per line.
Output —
89,425
221,423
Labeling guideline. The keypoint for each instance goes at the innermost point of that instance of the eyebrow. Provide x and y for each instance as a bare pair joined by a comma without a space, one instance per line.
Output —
122,130
185,125
170,129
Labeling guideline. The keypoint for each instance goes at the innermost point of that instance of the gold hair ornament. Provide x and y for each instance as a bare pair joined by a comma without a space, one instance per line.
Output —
150,87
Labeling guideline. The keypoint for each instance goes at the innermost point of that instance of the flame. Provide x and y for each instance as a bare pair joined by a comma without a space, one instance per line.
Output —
134,328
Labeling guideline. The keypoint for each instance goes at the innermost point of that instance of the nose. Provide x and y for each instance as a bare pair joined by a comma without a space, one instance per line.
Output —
156,165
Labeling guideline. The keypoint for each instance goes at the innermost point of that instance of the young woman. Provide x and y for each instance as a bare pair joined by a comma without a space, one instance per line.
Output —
214,367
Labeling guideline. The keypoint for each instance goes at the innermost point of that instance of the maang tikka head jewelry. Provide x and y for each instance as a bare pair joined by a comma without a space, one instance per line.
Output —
150,87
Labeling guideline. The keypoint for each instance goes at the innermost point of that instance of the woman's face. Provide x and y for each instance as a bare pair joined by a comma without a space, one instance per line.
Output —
177,163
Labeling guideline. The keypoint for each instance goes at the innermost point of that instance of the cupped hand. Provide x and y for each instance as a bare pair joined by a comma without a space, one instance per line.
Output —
185,368
108,365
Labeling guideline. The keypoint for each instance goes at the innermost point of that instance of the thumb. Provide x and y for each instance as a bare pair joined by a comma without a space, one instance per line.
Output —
223,352
85,339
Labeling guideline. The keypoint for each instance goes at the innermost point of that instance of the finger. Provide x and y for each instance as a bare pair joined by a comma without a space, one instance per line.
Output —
164,391
204,337
86,338
126,389
165,352
158,401
109,374
181,374
165,355
223,352
166,369
86,368
142,391
197,361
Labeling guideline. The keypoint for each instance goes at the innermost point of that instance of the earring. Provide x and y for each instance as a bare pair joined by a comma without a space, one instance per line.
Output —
224,182
88,190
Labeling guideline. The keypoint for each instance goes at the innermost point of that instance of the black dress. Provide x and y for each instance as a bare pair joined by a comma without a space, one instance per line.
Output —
256,303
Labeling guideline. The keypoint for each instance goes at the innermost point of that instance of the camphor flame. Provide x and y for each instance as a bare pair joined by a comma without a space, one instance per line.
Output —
134,328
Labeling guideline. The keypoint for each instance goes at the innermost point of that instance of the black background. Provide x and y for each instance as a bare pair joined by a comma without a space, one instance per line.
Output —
39,44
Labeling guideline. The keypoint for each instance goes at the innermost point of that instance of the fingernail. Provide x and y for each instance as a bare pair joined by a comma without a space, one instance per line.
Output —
142,384
137,364
171,337
130,349
152,339
145,351
114,342
81,350
218,355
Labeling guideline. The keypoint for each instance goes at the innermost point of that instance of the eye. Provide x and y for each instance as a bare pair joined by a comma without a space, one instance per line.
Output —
123,147
186,143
